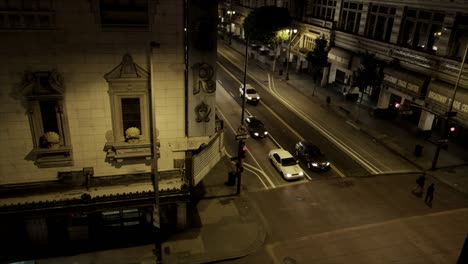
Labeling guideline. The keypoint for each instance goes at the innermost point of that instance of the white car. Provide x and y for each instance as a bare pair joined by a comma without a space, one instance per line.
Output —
251,95
286,164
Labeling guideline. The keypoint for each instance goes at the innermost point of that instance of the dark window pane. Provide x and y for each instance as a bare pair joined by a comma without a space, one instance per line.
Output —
411,13
408,33
350,22
374,8
425,15
463,20
383,10
388,32
439,17
49,116
380,27
421,34
353,6
131,116
371,25
346,4
124,13
392,11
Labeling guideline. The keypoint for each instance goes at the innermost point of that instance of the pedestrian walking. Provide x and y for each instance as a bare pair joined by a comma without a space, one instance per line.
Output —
429,195
418,189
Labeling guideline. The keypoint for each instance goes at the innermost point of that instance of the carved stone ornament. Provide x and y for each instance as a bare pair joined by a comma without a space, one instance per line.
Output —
203,78
203,112
42,83
128,70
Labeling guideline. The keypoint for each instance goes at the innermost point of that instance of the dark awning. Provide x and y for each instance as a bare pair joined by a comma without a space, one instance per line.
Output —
405,80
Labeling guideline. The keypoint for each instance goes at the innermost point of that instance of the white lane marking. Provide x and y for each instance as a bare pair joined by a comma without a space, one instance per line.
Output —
271,87
370,167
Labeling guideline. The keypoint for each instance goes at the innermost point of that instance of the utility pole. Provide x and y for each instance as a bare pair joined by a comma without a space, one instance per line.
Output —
448,114
155,175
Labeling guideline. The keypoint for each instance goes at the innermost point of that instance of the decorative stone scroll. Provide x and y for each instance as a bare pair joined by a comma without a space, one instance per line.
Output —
203,78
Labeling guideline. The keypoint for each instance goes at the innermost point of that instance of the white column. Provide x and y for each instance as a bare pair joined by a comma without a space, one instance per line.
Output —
443,43
362,21
426,120
331,74
181,216
384,99
397,24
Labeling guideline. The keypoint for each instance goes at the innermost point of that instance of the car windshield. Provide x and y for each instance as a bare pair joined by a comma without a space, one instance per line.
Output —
251,91
288,162
256,123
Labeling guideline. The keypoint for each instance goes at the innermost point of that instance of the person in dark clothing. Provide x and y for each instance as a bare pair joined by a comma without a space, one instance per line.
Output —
429,195
419,188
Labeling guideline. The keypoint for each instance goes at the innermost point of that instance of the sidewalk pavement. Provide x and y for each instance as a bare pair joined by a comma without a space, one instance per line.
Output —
227,225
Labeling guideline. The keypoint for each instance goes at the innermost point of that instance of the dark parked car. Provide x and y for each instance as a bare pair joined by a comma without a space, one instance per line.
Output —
312,156
255,127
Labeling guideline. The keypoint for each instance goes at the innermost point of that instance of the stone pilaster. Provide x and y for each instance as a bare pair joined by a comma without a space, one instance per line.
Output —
362,21
398,20
443,48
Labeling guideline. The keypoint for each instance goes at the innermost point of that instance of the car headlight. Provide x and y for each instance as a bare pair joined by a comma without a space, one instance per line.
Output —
314,164
258,97
288,174
249,97
301,173
266,133
328,164
256,134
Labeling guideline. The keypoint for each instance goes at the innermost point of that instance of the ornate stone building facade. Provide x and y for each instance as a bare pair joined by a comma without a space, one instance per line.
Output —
98,97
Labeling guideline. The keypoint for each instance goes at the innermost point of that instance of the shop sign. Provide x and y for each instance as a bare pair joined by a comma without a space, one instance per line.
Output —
401,83
439,98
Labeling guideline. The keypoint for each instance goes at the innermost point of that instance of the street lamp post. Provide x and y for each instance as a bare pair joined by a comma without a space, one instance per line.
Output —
448,114
289,31
230,13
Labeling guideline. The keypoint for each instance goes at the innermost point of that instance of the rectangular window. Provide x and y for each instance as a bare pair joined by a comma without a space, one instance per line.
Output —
124,13
49,116
351,16
131,115
321,9
380,22
27,14
422,29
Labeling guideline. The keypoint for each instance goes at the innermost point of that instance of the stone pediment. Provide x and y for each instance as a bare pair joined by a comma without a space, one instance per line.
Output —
42,83
127,70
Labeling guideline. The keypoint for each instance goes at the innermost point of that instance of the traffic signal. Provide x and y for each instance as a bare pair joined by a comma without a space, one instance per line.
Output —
242,150
397,105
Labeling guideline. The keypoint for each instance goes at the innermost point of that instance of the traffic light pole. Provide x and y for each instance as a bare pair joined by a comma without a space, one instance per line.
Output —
448,114
241,142
239,167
